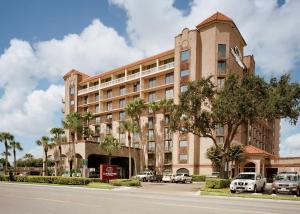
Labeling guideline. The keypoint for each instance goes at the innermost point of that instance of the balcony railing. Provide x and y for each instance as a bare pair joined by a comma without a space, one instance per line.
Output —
151,149
126,78
151,162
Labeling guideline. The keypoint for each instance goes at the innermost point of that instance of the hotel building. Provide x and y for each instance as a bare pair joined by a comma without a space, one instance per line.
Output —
215,48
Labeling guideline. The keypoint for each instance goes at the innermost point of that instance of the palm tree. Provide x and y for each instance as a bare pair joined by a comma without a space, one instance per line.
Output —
134,110
15,146
129,127
154,107
58,139
87,116
110,144
6,137
28,156
236,155
44,142
73,123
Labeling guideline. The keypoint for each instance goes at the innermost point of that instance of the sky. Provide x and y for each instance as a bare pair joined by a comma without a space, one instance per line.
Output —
41,40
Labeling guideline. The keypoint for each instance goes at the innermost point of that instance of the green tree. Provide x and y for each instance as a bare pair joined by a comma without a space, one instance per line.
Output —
245,100
236,155
87,117
6,137
28,156
215,155
58,138
73,123
44,142
110,145
129,127
16,146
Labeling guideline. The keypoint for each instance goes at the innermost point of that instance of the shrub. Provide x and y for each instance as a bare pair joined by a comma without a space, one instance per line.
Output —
217,183
198,177
125,182
4,178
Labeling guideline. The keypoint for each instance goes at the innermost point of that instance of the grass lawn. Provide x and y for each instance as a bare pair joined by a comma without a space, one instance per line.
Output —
99,186
226,192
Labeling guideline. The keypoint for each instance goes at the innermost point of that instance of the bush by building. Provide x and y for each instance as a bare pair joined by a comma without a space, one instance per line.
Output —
217,183
198,178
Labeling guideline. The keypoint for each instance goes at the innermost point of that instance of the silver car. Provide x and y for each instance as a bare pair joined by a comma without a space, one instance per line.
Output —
287,183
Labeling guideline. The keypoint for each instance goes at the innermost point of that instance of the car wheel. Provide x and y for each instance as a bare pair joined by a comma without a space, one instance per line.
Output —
144,179
255,190
232,191
298,193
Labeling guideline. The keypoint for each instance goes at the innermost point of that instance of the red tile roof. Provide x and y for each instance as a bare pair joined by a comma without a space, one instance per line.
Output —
252,150
215,17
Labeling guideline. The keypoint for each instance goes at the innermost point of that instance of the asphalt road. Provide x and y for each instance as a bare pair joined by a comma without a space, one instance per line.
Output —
34,199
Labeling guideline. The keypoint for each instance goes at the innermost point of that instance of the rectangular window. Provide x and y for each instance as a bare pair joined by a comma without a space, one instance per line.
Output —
183,143
72,102
184,73
122,103
219,130
97,97
97,109
122,137
183,88
109,106
109,93
168,145
169,78
169,93
122,115
152,82
85,109
109,116
122,90
222,67
97,120
151,146
150,134
167,119
167,133
220,140
85,100
150,123
222,50
183,157
184,55
72,90
136,86
151,97
135,97
108,129
221,82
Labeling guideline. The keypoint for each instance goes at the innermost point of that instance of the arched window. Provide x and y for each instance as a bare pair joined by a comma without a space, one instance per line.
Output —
182,171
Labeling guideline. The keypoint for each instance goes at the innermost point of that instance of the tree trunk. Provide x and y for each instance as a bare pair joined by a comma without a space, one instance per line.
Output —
15,161
109,160
70,167
222,167
6,157
60,159
129,156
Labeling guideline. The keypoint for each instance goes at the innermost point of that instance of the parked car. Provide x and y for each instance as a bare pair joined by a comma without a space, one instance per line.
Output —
287,183
214,175
183,178
145,176
155,178
168,178
248,182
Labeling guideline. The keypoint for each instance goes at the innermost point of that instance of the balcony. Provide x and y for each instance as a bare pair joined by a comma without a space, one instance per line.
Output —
126,78
108,131
168,148
151,162
151,149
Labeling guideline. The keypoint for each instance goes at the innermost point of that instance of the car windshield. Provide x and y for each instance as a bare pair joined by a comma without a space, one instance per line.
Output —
246,176
286,177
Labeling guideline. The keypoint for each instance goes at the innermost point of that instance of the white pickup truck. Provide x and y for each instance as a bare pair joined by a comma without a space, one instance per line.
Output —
145,176
248,181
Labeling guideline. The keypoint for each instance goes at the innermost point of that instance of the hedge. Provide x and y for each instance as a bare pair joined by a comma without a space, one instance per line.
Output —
198,177
52,180
217,183
125,182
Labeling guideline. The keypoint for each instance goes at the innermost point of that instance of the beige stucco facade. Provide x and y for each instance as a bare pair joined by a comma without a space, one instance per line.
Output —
214,48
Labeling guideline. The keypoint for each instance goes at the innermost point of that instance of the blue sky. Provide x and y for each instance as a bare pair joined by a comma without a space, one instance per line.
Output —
41,40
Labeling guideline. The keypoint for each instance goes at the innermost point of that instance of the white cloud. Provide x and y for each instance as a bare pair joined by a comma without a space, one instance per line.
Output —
26,111
270,31
291,146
